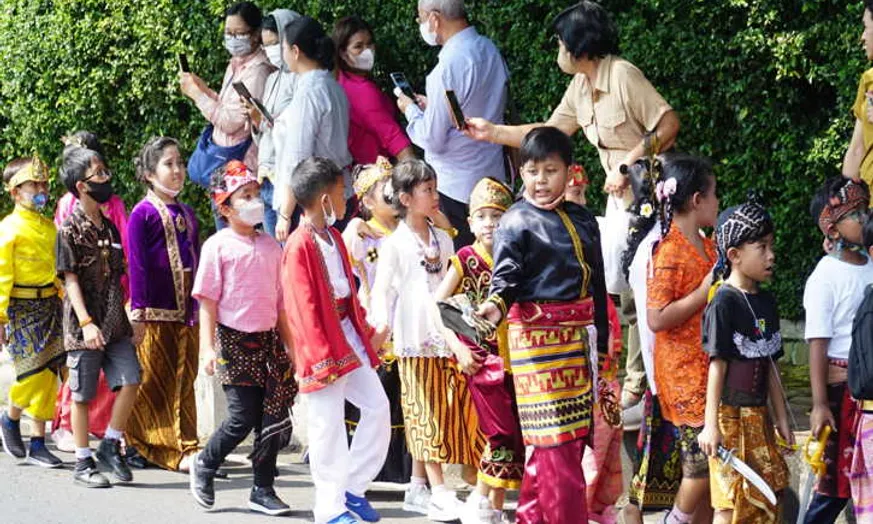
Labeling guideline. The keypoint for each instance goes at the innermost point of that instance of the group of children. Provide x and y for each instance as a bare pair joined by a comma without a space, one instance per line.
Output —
527,399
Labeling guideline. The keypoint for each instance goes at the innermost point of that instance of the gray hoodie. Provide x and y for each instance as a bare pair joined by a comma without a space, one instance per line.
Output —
278,92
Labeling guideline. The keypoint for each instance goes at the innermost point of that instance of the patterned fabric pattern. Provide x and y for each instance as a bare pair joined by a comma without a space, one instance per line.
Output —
658,473
553,382
35,334
838,449
861,478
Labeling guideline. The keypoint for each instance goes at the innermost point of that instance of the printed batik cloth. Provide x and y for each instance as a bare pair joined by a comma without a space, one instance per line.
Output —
749,432
861,474
35,334
659,469
549,351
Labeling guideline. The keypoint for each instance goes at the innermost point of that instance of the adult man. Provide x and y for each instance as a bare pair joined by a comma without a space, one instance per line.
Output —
471,66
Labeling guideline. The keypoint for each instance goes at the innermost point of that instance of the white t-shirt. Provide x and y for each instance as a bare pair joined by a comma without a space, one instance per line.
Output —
637,277
832,296
341,289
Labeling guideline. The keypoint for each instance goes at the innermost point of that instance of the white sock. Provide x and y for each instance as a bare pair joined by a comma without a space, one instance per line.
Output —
113,434
475,498
83,453
436,490
418,481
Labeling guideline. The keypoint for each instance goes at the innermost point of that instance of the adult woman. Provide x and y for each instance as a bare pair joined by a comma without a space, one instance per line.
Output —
373,128
278,93
317,121
162,261
249,65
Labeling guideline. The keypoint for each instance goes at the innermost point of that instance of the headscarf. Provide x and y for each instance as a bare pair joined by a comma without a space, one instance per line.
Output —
852,196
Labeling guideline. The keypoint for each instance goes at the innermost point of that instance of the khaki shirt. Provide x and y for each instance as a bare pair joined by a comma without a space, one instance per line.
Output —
623,106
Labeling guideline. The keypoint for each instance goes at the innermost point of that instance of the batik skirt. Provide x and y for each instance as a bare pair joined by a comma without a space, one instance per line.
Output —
658,471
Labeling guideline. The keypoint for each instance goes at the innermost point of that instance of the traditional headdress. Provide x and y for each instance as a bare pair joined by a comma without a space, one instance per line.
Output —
370,175
740,224
578,177
490,193
35,171
852,196
236,175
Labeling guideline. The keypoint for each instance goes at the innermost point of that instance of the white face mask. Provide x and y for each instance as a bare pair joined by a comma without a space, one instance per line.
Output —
365,60
172,193
238,45
427,35
329,217
251,211
565,62
274,53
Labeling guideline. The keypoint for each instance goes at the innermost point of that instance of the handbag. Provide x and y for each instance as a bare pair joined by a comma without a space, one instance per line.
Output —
458,315
209,156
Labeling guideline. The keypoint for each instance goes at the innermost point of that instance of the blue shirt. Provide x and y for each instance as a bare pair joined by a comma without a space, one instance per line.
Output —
471,65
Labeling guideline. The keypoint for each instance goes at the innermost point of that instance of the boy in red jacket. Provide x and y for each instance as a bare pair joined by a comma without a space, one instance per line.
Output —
333,350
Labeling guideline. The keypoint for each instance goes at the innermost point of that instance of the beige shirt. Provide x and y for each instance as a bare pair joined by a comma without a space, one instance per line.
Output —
616,115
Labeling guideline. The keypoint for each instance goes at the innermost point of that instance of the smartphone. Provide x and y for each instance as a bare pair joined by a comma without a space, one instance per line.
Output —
243,91
183,63
455,110
400,81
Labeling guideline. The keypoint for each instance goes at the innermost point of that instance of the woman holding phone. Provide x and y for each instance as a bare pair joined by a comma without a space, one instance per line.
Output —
373,127
316,123
248,64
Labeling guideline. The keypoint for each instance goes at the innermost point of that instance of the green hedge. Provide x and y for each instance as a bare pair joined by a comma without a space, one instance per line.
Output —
764,87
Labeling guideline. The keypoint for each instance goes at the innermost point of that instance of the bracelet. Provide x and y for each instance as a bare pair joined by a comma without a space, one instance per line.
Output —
86,322
283,216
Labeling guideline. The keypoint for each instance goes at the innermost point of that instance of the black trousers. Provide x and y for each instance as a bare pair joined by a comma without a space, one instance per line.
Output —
458,213
245,409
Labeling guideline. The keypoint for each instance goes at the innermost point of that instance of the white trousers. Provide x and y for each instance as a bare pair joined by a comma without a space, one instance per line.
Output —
336,467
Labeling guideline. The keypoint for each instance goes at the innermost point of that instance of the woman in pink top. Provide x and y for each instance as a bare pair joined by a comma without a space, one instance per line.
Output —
248,64
373,127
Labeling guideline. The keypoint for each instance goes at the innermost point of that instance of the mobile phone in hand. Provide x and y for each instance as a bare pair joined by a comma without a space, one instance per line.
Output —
401,83
457,115
244,92
183,63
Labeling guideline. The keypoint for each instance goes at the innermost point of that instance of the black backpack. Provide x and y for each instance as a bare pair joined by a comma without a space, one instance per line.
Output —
861,353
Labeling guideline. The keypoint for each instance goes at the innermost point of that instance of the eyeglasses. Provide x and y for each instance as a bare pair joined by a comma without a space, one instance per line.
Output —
419,19
103,173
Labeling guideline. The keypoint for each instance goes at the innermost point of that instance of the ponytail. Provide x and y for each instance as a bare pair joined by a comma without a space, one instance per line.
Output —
309,36
683,176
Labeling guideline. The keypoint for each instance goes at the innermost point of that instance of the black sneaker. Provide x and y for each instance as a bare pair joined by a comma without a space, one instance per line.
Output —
39,455
10,434
201,481
134,459
109,453
86,474
264,500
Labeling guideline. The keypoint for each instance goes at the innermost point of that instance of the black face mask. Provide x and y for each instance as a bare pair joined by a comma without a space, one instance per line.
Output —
100,192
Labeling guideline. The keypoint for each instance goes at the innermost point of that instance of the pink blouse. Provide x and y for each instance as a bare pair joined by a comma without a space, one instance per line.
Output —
373,127
224,110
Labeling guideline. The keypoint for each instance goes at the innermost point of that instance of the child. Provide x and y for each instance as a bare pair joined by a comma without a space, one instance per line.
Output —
241,308
97,334
861,474
832,295
681,274
548,283
333,350
741,335
441,425
656,473
164,244
489,377
100,408
30,310
364,241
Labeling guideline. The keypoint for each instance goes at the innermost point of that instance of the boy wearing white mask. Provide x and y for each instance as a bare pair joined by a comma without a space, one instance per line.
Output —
242,338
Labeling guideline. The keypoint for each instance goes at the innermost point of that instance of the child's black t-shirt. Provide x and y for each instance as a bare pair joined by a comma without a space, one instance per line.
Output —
743,329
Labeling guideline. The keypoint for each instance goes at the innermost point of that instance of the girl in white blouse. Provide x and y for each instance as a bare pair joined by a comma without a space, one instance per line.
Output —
441,425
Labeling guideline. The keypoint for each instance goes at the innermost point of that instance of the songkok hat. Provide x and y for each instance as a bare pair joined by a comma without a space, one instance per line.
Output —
35,171
490,193
236,175
369,175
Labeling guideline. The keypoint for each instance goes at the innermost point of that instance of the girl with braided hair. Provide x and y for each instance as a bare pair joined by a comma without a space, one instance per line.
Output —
741,335
679,280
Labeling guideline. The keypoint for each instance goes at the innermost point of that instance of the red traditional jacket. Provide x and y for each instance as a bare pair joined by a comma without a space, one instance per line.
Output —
321,352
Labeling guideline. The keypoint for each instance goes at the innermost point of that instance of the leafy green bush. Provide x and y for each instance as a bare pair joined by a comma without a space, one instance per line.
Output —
764,87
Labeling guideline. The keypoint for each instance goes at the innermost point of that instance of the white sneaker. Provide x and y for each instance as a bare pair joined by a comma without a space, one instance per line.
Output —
444,507
64,441
416,499
477,510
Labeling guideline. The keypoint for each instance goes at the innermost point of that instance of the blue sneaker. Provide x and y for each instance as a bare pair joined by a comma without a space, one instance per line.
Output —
345,518
361,507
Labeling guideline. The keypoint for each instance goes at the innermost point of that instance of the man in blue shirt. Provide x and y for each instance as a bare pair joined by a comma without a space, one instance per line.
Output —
471,66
